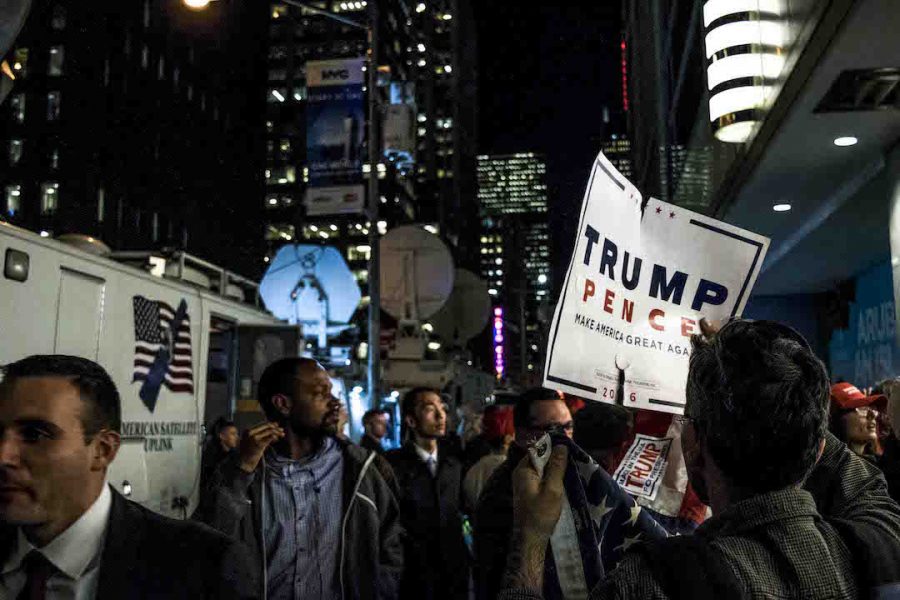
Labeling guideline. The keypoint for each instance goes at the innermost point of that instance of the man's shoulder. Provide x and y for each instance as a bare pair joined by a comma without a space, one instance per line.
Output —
172,535
632,578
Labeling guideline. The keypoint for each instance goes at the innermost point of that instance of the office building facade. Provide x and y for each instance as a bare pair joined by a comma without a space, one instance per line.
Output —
125,124
515,257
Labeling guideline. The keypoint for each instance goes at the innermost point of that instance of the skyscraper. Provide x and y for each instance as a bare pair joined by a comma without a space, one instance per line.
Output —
515,257
426,70
132,124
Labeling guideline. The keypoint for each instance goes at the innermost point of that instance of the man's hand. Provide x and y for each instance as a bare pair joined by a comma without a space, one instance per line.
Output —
537,502
537,505
255,442
709,328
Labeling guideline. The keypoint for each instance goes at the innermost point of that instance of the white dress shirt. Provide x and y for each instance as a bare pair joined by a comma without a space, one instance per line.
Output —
75,553
429,458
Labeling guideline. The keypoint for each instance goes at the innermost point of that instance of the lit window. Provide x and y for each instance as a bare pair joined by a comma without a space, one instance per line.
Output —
279,232
145,57
161,68
101,204
52,106
20,62
49,197
17,104
54,158
13,199
15,151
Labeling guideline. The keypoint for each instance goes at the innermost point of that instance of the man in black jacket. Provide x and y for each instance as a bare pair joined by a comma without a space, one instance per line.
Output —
430,500
375,422
319,514
65,533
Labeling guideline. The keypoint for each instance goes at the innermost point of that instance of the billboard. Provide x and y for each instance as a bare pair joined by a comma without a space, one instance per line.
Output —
335,136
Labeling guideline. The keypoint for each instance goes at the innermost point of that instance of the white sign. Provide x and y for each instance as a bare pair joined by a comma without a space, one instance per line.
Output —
335,200
644,464
341,71
637,286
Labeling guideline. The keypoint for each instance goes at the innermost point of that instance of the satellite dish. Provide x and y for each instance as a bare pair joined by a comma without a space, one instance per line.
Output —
85,243
416,273
466,312
306,283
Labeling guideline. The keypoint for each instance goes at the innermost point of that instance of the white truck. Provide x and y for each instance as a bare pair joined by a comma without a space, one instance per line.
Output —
175,333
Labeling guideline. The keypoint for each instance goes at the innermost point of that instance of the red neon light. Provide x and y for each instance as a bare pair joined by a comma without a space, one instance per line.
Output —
624,76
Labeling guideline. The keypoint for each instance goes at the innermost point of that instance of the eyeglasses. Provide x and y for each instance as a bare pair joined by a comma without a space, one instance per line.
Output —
683,419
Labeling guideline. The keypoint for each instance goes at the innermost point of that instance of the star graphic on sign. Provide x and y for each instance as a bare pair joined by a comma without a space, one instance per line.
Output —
658,209
628,543
599,512
672,215
635,513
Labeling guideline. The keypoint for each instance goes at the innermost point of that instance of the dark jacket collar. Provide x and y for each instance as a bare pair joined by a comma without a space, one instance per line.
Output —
124,538
761,510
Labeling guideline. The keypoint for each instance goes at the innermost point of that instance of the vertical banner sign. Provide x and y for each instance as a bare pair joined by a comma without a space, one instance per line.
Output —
335,134
637,285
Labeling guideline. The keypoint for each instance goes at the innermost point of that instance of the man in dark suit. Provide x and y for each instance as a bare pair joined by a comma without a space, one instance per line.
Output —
430,498
64,533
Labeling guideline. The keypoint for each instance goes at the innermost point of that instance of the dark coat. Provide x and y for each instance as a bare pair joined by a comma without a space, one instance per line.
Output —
371,545
430,507
493,525
150,557
370,443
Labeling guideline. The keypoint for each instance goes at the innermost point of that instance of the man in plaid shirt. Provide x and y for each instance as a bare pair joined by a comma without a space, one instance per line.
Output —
795,513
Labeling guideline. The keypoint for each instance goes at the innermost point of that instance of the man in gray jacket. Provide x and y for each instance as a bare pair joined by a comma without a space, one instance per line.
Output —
319,514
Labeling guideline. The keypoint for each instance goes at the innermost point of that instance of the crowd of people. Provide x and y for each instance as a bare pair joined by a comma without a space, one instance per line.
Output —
801,478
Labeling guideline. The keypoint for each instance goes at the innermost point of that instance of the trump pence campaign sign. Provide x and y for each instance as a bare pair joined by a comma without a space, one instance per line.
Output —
638,283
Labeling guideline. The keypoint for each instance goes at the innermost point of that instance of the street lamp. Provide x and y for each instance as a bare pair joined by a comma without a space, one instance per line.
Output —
371,30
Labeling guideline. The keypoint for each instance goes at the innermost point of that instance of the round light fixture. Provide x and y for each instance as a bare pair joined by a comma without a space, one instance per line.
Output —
781,207
197,4
745,41
848,140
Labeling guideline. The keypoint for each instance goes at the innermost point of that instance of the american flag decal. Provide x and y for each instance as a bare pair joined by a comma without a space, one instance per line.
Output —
162,348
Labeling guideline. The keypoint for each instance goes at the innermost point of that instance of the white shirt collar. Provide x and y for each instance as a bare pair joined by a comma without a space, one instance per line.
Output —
424,454
74,549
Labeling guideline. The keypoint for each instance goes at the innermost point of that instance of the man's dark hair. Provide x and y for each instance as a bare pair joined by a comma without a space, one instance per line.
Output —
373,412
522,408
758,396
279,378
98,392
411,398
600,426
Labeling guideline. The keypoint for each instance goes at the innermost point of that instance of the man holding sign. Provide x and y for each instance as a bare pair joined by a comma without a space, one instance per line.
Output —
795,513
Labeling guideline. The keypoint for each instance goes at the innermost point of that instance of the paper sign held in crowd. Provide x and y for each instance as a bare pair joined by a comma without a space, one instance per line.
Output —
637,286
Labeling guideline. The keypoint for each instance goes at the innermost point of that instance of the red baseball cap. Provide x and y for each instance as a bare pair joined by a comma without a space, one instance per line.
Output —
497,423
846,396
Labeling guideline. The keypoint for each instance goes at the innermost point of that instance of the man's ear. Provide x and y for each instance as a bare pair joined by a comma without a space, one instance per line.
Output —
410,421
282,404
105,447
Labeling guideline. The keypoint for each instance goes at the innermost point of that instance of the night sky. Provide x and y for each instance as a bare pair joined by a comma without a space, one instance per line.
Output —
545,74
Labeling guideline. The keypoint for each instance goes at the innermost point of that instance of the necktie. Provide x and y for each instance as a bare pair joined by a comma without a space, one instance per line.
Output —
431,463
38,571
